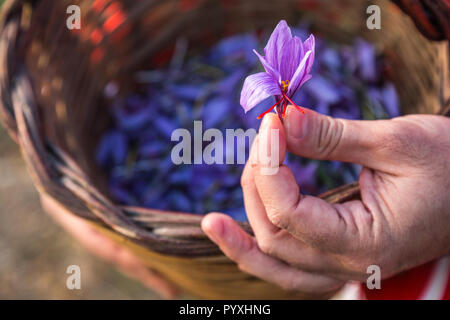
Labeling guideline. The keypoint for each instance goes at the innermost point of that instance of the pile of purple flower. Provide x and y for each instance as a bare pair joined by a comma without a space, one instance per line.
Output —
135,152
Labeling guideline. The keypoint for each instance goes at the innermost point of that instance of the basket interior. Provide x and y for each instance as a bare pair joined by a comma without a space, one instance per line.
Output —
70,69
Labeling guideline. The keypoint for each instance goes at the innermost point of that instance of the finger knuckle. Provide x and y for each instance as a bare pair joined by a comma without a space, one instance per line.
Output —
240,250
235,255
266,245
282,214
329,136
289,284
407,139
246,181
273,213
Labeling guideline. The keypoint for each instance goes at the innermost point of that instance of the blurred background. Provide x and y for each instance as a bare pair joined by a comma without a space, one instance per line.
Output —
35,252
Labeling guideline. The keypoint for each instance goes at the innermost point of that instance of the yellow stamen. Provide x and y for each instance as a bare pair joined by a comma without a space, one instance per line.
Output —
285,85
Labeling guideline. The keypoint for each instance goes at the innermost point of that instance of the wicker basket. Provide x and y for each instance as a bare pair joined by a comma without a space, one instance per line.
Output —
52,81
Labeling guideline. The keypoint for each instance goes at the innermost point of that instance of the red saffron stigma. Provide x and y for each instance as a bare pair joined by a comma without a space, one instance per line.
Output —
293,103
270,109
284,108
284,101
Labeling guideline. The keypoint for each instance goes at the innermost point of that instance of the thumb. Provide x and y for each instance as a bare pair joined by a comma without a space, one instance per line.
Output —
321,137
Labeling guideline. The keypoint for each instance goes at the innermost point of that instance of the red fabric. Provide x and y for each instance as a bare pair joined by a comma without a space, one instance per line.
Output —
408,285
447,291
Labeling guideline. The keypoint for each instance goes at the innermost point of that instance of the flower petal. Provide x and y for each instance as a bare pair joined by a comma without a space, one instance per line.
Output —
258,87
391,101
323,90
309,45
304,64
291,57
215,110
301,75
274,48
269,69
366,55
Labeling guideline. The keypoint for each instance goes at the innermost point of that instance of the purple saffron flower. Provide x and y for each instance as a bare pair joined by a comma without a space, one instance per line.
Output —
113,149
287,62
391,100
323,90
215,110
366,56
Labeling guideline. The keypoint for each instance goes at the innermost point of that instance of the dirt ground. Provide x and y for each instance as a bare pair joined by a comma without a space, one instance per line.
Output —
35,252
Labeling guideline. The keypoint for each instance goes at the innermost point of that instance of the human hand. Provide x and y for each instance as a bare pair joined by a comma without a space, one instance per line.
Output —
304,243
107,249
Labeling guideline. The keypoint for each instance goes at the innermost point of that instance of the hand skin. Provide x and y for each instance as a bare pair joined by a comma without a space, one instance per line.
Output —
302,243
107,249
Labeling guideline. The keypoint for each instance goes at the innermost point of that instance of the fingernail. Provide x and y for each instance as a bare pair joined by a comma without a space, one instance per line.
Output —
296,123
268,146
